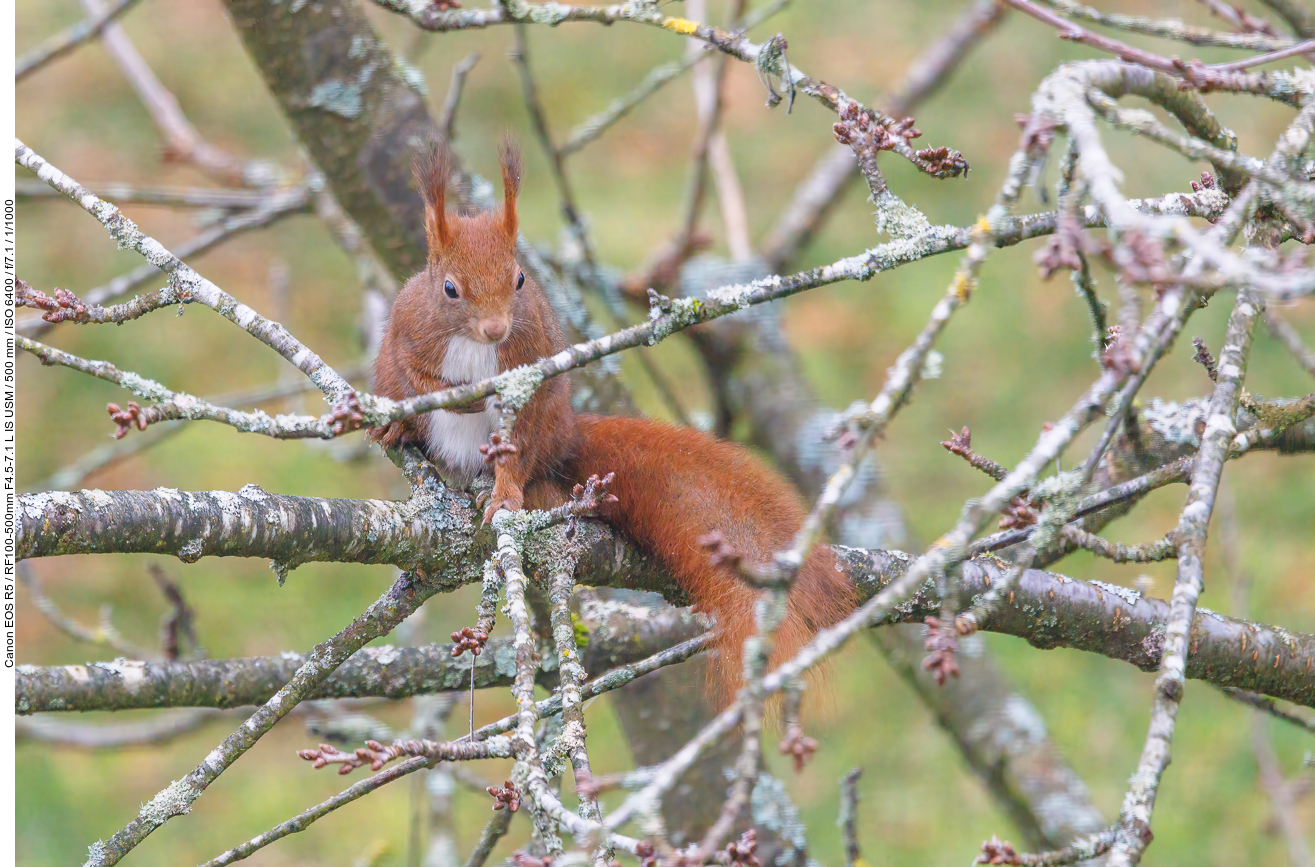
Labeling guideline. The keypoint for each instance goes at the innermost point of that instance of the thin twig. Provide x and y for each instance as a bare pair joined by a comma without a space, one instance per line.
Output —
304,820
64,42
404,597
447,120
183,141
1139,802
185,285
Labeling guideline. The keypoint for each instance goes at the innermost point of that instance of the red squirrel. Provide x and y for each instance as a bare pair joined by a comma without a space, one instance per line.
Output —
473,313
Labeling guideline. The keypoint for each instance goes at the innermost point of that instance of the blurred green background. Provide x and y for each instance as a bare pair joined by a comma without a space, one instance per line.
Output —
1016,357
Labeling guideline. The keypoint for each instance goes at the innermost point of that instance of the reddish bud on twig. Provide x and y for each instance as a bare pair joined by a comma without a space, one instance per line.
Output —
997,851
960,443
587,499
742,851
943,646
1063,249
374,754
941,162
470,639
64,306
346,414
1019,513
133,416
505,798
797,746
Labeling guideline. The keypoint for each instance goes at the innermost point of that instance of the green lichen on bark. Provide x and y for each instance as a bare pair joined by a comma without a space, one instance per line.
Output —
355,107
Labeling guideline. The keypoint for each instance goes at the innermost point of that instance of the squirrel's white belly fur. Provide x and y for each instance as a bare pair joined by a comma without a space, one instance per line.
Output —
455,436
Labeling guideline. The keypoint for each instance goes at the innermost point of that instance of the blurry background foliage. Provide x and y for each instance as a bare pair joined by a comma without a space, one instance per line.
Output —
1017,357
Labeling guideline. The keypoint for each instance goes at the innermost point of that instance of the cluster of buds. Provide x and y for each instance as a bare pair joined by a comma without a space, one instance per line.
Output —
1065,248
374,754
797,746
941,162
1207,182
1140,259
1021,512
505,798
345,415
742,851
859,130
64,306
470,639
134,416
997,851
943,646
588,498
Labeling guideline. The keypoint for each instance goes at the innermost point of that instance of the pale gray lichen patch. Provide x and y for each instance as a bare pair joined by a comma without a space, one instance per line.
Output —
515,387
551,14
897,218
1061,493
1127,594
772,810
96,853
741,294
337,96
174,799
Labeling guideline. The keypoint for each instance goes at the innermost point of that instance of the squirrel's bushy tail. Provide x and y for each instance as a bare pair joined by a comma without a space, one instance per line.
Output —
674,484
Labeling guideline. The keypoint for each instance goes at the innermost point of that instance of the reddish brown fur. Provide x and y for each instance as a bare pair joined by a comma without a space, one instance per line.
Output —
479,256
673,484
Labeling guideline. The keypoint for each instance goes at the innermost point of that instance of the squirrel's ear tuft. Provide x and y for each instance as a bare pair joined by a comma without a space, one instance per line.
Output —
510,154
431,167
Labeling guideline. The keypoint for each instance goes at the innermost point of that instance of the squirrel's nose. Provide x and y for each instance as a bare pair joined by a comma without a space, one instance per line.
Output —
493,330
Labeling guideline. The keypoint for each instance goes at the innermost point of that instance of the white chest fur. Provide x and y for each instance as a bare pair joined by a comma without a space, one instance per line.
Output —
454,436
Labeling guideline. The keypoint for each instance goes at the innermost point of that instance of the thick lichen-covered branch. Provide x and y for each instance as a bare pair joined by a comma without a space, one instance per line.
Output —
437,533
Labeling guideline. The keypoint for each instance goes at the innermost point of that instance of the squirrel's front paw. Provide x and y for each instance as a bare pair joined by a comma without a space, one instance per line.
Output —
504,497
389,436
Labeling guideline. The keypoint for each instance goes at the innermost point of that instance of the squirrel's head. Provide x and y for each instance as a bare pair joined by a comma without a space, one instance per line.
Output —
474,280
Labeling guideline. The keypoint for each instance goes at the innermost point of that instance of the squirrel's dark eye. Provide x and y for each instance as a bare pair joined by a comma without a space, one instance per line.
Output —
520,280
450,288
